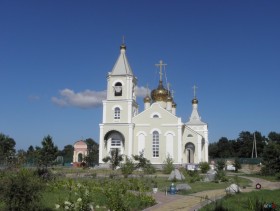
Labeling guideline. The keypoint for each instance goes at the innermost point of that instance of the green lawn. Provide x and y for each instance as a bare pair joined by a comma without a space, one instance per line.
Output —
255,200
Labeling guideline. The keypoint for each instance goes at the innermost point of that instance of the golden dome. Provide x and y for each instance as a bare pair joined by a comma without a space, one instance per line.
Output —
159,94
147,99
194,101
123,47
169,99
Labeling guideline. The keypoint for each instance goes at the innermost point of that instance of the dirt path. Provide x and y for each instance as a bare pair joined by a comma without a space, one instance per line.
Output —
265,184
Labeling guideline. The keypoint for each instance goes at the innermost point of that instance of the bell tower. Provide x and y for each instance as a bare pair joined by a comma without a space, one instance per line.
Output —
119,107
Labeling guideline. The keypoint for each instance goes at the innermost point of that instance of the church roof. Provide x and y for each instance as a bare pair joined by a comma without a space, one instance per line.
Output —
122,66
195,119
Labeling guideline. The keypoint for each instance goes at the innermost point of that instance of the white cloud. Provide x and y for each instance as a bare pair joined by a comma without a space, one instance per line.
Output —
85,99
141,91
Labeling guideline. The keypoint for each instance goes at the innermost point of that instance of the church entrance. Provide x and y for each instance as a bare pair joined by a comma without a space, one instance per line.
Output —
80,157
189,150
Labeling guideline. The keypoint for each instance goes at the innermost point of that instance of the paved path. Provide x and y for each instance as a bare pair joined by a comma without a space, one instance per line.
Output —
197,200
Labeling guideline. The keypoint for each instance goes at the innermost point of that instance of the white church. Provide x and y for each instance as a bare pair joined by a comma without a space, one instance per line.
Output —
156,131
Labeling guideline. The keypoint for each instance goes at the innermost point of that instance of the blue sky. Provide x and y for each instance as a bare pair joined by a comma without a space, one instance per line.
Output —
55,55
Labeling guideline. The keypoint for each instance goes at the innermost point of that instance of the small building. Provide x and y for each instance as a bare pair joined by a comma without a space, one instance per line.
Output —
80,152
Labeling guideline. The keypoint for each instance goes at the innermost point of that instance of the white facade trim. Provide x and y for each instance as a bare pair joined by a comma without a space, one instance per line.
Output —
130,139
141,132
180,150
169,132
155,129
104,111
155,113
116,81
117,106
143,125
101,143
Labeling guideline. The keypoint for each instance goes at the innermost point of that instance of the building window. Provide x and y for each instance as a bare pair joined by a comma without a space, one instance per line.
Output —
115,143
155,116
118,89
155,144
117,113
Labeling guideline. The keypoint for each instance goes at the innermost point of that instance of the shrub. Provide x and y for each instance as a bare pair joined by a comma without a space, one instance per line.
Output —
45,174
221,176
277,176
194,176
149,169
221,164
204,167
21,190
168,165
127,167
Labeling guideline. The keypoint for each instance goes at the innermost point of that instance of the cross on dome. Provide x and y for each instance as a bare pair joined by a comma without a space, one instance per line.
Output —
194,89
160,65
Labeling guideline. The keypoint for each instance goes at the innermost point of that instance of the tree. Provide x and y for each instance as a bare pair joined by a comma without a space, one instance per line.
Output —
275,137
246,143
93,152
225,148
271,158
7,147
213,150
21,157
237,164
48,152
115,159
67,153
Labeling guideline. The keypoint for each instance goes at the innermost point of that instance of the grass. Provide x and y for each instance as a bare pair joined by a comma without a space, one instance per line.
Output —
254,200
269,178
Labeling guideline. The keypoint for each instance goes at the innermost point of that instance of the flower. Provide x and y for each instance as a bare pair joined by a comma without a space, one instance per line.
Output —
79,200
57,206
66,207
67,203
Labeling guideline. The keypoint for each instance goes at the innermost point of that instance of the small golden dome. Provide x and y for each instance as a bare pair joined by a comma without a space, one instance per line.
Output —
169,99
159,94
147,99
194,101
123,46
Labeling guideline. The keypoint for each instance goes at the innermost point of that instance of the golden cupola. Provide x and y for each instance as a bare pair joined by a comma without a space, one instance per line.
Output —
147,99
194,101
160,93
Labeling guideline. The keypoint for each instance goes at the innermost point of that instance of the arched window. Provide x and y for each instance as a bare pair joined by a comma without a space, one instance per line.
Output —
117,114
155,116
118,89
155,144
